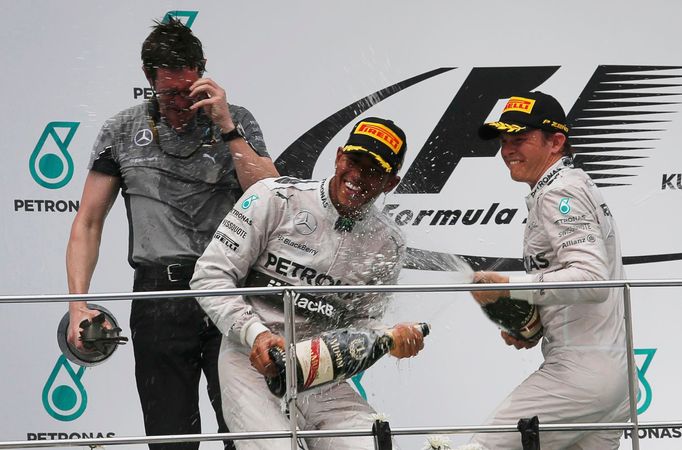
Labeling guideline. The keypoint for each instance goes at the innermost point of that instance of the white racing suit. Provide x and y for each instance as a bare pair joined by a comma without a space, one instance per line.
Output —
570,236
282,232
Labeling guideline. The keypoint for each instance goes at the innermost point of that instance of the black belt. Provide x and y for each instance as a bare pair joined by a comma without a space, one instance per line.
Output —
171,272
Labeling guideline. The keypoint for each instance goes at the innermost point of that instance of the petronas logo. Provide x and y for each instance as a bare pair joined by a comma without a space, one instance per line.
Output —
50,163
357,382
645,393
186,17
64,397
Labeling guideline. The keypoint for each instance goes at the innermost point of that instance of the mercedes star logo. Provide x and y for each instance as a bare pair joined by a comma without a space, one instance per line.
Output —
143,137
305,223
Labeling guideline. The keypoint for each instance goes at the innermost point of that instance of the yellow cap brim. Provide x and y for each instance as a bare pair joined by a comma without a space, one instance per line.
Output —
382,162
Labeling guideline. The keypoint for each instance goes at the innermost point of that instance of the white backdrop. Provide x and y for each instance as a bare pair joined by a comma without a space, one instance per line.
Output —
293,64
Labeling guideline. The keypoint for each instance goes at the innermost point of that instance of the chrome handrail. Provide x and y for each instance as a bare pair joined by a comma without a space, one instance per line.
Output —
288,292
286,434
388,288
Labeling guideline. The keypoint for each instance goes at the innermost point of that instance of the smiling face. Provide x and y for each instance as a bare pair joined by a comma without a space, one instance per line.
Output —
172,91
528,155
358,180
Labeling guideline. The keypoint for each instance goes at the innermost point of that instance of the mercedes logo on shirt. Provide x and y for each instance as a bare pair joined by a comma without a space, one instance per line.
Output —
305,223
143,137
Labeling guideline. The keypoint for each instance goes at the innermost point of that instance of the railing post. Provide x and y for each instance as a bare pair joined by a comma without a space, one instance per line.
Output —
382,435
530,433
290,342
632,367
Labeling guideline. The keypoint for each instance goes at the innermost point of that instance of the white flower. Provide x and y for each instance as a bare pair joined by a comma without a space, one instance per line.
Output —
437,443
381,417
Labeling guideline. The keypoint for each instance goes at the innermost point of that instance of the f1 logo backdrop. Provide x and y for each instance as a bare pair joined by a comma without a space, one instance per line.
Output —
594,119
611,121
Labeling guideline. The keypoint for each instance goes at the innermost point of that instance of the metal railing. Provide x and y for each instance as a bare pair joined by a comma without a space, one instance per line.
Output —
288,294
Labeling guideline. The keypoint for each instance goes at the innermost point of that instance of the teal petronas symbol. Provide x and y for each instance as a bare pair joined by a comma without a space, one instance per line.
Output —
188,16
64,397
246,204
50,163
644,393
564,207
356,379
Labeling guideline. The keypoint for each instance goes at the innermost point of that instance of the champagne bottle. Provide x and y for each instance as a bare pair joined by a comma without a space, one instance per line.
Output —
332,356
518,318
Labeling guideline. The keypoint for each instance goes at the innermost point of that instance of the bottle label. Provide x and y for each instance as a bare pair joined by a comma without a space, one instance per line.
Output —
533,329
316,362
338,354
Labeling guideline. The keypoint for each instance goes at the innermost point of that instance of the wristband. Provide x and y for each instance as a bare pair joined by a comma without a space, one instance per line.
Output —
250,331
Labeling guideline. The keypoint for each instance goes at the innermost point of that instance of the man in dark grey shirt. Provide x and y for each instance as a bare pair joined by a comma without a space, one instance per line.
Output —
180,161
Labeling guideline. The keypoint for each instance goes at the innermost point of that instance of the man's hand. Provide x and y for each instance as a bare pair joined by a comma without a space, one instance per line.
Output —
483,297
407,340
77,314
260,358
213,99
519,344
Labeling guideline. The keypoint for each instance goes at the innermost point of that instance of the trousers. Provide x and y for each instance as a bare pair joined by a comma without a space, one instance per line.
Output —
249,406
174,342
576,387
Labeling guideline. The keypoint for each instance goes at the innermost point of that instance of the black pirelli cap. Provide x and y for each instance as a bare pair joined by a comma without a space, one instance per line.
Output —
382,139
532,110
